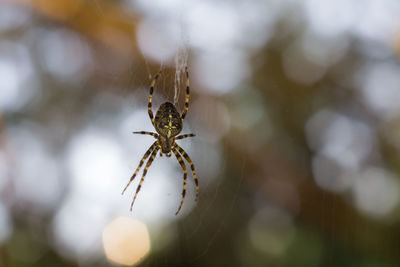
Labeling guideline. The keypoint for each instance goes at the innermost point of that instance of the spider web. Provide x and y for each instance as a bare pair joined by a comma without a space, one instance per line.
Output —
211,191
224,217
181,57
181,61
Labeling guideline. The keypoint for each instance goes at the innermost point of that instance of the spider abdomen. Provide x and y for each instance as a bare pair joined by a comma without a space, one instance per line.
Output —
168,121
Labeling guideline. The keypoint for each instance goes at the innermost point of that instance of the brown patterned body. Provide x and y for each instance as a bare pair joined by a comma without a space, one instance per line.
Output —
168,124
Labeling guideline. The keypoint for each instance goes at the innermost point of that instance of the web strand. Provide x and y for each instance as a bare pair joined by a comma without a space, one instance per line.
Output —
181,60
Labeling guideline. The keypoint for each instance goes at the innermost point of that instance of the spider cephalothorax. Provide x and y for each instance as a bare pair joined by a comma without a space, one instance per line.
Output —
168,124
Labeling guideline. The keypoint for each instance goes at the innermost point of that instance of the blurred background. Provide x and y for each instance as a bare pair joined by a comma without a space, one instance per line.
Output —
296,107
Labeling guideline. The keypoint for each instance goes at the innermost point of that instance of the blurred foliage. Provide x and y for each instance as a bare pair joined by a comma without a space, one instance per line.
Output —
266,206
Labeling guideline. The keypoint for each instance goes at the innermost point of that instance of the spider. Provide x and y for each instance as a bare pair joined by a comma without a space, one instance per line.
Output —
168,123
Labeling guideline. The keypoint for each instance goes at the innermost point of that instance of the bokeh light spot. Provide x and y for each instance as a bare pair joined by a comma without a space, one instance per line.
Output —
157,41
376,192
271,231
126,241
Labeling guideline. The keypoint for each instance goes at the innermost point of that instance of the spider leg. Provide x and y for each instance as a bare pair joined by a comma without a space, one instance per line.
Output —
146,155
186,156
184,136
153,83
185,110
148,133
183,166
153,155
